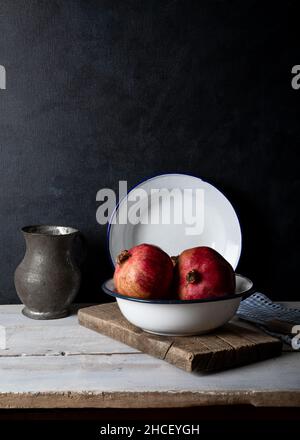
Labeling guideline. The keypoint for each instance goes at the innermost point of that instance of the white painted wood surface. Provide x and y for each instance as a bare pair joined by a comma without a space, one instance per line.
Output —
53,364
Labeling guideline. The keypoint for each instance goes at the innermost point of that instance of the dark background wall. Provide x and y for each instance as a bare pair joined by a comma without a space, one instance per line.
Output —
102,91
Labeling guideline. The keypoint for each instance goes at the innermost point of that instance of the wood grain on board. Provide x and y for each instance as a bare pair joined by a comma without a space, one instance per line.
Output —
227,347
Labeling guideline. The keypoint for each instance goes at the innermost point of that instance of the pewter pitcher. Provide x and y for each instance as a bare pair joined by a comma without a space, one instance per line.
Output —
48,278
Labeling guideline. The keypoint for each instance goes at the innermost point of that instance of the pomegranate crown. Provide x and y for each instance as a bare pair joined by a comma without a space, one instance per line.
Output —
193,277
123,256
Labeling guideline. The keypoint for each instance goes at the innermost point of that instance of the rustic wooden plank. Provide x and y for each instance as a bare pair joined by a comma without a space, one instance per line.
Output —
200,354
69,340
149,399
109,321
227,347
264,342
60,337
245,350
141,381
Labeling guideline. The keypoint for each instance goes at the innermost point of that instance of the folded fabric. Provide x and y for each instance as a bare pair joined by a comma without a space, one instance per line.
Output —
260,310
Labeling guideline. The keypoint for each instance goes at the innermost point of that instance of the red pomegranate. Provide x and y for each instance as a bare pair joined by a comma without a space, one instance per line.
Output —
202,272
144,271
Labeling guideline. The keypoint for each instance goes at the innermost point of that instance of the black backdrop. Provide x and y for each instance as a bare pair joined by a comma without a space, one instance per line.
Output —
102,91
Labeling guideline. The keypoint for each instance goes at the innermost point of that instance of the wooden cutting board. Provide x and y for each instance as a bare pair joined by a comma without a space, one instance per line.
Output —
227,347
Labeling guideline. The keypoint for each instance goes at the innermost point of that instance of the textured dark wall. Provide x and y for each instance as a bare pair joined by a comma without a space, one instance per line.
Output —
102,91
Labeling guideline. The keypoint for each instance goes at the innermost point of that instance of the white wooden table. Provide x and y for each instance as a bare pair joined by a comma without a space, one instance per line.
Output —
59,364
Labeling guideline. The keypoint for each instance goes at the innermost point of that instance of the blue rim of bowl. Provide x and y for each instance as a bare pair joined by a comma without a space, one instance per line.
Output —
243,294
152,178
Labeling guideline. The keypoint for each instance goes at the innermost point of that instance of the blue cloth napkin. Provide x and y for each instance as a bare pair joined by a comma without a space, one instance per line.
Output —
259,309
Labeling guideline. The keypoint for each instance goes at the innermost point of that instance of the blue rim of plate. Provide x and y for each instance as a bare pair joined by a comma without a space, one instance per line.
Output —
152,178
243,294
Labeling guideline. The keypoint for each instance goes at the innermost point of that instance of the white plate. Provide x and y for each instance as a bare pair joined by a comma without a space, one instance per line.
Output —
181,318
221,229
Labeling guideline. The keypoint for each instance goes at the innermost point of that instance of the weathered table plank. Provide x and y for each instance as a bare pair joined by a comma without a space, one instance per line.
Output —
141,381
62,368
26,337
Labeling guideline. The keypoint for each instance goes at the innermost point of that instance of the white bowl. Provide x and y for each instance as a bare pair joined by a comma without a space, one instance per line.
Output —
220,228
178,317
